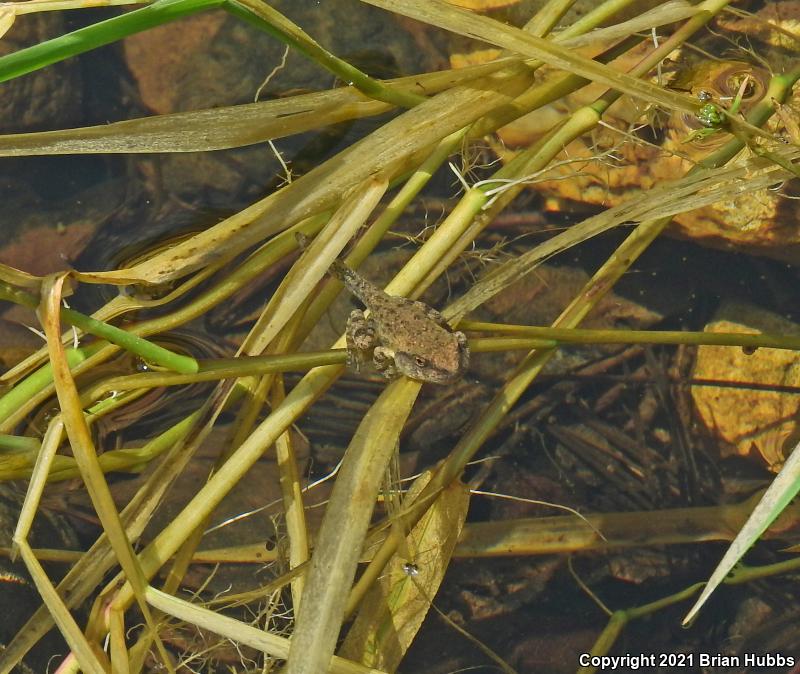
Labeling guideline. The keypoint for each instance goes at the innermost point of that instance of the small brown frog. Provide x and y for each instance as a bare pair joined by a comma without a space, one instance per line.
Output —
402,335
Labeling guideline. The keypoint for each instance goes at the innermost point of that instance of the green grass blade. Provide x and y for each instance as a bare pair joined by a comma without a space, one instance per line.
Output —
780,493
97,35
149,351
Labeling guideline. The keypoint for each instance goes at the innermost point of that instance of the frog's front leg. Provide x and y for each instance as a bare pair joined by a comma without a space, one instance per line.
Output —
383,359
360,337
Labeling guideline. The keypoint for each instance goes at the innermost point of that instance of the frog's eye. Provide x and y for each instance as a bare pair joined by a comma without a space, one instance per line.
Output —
420,361
735,84
729,81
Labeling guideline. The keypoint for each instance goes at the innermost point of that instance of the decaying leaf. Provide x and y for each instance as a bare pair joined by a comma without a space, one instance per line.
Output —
395,607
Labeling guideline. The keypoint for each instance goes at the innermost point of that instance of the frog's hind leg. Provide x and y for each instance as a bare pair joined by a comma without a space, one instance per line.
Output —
360,336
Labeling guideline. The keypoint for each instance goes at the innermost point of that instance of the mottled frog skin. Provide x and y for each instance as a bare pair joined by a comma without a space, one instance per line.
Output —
402,336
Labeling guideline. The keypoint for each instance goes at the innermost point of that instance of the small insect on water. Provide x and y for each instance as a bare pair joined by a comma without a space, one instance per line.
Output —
711,116
410,569
402,336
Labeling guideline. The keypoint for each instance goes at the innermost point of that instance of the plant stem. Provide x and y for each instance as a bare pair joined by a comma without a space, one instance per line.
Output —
141,347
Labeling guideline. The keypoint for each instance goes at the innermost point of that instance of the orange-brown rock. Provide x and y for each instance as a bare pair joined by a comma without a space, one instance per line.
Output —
749,422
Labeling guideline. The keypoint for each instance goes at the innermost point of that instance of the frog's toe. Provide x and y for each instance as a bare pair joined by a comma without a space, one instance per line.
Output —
383,359
363,339
360,331
356,359
353,362
389,371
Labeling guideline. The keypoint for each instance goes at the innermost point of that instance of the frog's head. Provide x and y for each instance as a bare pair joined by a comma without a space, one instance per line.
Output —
442,367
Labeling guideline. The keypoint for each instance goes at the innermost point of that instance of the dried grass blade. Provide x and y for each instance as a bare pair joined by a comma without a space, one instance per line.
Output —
272,644
169,540
292,494
700,188
119,651
83,447
393,610
225,127
91,661
87,573
463,22
390,150
7,18
299,282
199,131
44,459
297,401
341,537
669,12
18,277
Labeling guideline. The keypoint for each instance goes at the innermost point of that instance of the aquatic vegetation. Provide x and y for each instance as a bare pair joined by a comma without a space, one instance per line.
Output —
358,193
